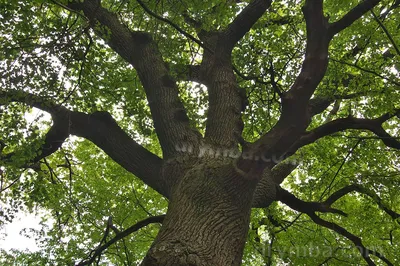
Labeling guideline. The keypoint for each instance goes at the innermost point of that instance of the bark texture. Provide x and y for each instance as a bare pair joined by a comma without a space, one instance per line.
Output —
207,219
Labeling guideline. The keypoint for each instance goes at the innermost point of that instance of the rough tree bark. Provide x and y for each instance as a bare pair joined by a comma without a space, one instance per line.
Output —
207,219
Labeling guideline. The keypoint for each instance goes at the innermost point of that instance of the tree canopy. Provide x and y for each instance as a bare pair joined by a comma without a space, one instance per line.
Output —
107,109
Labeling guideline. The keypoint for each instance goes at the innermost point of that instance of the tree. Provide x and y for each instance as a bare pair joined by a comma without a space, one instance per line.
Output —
271,123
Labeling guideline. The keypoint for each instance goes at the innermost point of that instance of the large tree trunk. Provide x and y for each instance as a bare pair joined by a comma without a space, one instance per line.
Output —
207,219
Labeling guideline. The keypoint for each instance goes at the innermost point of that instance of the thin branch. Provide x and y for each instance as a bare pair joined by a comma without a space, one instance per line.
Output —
191,21
67,8
377,19
363,138
311,207
98,251
367,71
175,26
4,188
365,252
358,188
340,168
40,102
244,77
274,84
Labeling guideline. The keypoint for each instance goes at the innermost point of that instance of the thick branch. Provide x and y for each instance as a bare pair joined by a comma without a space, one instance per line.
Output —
295,103
316,57
318,105
354,14
245,20
282,170
226,100
265,192
55,137
101,129
120,235
53,140
139,49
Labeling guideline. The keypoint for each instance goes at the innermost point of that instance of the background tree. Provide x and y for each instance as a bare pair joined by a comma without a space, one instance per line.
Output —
188,108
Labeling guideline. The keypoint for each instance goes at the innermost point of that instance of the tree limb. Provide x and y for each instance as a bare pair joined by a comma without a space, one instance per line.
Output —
354,14
282,170
57,133
101,129
55,137
245,20
297,99
295,102
316,57
318,105
138,48
265,192
299,205
226,100
341,124
42,103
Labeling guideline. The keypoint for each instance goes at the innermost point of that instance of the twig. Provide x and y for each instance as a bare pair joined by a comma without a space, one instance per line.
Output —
386,32
175,26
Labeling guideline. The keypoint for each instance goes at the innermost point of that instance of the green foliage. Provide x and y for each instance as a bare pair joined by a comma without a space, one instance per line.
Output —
55,54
